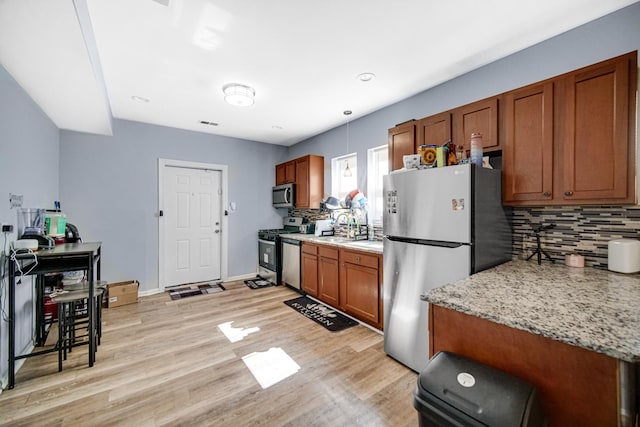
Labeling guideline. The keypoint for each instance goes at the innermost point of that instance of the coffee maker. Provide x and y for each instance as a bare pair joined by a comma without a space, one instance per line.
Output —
31,227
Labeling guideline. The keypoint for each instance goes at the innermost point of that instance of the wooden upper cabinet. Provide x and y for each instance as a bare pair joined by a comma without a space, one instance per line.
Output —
286,173
570,140
598,138
433,129
308,174
527,119
480,116
402,141
309,181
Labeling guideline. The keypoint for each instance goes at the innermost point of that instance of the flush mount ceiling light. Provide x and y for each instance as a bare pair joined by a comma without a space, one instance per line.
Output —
141,99
366,77
238,95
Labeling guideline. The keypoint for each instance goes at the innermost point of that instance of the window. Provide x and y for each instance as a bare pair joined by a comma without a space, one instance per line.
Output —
344,175
377,167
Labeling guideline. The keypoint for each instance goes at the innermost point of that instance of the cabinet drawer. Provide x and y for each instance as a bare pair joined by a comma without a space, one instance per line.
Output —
359,258
309,248
327,252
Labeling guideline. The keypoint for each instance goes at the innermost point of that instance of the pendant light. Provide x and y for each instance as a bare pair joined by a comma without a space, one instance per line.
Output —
347,171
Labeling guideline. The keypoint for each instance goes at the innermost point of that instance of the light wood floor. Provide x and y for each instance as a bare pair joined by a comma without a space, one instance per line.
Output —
164,362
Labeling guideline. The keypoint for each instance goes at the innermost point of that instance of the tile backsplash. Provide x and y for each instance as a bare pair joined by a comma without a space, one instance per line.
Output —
583,230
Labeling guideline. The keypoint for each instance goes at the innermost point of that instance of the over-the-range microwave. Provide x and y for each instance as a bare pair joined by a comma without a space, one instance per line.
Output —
284,196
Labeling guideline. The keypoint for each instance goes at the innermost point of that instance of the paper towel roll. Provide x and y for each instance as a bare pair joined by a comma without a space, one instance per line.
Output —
624,255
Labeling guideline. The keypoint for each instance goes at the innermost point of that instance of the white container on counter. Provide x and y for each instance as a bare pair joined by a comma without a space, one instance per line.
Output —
624,255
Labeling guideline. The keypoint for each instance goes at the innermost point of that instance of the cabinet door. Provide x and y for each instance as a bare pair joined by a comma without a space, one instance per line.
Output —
528,144
280,174
302,182
482,117
290,172
310,274
598,146
402,141
434,129
360,293
328,281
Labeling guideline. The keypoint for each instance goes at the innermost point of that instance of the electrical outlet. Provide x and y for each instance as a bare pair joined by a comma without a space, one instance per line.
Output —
7,228
15,200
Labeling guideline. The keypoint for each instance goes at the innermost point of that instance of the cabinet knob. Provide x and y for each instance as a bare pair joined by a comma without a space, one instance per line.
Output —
546,194
358,258
568,193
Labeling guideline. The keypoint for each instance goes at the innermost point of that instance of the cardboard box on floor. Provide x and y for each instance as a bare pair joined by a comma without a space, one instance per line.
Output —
122,293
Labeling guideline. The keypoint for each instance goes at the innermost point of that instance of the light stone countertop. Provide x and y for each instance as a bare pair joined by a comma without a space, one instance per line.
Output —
594,309
340,242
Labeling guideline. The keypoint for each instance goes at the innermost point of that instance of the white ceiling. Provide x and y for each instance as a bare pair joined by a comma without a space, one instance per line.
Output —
82,61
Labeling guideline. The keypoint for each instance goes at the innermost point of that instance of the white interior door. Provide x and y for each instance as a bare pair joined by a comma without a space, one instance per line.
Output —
192,218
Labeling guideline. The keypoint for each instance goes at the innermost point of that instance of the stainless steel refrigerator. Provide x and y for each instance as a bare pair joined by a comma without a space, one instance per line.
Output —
440,226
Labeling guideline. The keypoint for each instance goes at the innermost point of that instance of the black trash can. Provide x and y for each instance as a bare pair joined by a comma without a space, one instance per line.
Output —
455,391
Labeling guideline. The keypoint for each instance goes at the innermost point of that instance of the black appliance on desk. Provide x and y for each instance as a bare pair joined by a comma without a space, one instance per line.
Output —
270,249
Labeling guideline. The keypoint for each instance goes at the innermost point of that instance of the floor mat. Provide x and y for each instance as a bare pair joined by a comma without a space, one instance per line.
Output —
320,313
258,283
194,289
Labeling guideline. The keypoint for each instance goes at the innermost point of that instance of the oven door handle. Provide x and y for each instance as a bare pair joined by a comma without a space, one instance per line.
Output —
267,242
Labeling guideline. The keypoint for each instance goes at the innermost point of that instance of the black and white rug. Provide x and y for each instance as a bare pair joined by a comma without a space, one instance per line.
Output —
194,289
321,314
258,283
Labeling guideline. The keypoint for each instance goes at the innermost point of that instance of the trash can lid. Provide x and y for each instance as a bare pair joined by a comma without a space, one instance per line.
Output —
482,392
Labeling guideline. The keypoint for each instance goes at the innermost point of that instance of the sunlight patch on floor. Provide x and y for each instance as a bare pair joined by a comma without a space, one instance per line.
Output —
235,334
271,366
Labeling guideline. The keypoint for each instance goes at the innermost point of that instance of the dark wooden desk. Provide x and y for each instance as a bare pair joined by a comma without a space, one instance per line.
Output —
66,257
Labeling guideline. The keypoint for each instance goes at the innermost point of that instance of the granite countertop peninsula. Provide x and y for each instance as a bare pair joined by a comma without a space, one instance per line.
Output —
598,310
339,242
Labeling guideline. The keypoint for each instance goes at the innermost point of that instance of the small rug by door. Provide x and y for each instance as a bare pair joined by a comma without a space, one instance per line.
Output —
258,283
321,314
194,289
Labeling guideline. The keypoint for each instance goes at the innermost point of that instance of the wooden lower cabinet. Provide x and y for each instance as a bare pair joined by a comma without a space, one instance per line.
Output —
309,267
577,387
347,280
328,276
360,286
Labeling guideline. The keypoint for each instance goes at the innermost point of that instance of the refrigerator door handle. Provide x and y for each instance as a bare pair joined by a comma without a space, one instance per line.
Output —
438,243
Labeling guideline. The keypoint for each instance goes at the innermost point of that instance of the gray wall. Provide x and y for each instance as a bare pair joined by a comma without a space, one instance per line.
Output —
109,189
610,36
29,149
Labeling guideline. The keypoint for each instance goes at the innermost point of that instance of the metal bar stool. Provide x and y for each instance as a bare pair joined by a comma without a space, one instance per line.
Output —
73,317
100,292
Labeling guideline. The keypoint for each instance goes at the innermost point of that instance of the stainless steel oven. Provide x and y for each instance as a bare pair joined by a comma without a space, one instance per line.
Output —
267,260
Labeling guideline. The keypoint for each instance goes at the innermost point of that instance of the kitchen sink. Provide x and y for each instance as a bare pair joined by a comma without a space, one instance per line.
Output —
366,244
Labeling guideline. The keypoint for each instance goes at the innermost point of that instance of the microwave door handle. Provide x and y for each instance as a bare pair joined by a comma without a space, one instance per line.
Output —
287,195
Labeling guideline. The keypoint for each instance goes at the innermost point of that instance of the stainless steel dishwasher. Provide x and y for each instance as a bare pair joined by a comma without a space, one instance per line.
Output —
291,262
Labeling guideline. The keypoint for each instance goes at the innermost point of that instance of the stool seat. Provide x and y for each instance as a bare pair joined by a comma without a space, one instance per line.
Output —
73,315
